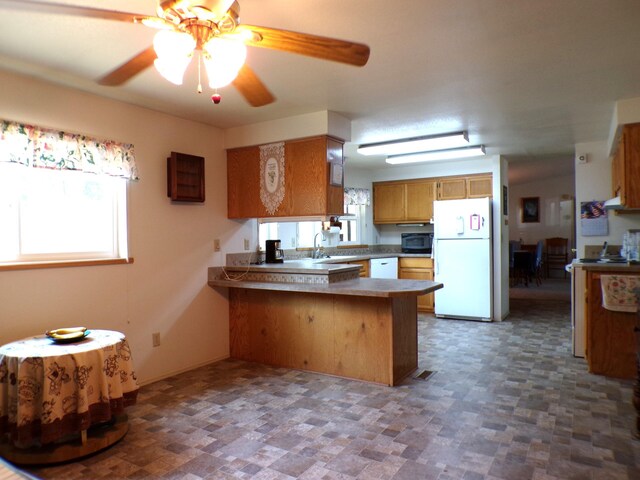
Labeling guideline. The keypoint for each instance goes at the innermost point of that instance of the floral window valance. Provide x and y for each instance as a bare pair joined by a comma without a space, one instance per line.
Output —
357,196
45,148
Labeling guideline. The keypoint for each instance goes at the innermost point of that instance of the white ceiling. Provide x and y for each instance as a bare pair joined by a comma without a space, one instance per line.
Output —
528,79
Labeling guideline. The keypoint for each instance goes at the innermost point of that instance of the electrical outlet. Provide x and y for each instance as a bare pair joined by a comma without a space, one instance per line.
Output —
216,244
246,244
155,339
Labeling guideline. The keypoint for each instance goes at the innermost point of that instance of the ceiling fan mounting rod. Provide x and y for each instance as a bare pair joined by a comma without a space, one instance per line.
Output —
201,30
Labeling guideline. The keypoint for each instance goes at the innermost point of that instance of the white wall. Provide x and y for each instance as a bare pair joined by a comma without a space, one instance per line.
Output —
554,194
593,182
165,290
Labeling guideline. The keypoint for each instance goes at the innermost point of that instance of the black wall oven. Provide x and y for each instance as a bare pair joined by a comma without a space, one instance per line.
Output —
417,242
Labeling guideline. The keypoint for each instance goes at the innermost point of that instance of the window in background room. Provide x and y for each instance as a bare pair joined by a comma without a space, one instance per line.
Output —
352,230
352,224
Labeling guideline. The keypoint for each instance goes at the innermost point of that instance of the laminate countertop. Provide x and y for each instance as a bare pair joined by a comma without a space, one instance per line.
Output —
631,268
362,287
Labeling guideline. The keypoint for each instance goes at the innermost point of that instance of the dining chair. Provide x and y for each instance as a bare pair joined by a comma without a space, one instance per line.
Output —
557,255
538,262
513,246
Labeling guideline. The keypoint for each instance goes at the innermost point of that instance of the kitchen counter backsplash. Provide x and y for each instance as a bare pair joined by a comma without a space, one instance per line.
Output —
237,259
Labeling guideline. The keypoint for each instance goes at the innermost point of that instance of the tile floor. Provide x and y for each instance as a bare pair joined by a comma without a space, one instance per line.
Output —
507,401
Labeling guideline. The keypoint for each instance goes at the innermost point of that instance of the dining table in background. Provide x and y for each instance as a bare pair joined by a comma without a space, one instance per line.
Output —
52,394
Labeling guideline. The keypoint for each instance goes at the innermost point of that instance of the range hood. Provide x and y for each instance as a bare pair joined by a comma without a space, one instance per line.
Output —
613,204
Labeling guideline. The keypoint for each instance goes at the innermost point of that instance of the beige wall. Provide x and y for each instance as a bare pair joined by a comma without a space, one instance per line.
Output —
593,182
557,218
165,289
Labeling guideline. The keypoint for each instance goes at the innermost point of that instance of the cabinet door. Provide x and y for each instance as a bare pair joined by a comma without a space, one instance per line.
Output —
452,188
364,264
481,186
420,198
425,302
617,169
243,183
389,203
306,177
630,168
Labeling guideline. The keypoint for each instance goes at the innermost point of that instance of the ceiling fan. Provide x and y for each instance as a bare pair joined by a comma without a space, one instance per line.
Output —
208,28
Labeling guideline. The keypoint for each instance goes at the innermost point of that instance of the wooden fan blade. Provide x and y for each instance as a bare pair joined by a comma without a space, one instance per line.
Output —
311,45
72,10
252,88
129,69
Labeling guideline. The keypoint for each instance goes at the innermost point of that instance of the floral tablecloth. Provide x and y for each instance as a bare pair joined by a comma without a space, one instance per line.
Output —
50,390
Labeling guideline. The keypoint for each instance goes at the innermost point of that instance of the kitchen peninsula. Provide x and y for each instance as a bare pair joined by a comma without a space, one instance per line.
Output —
324,318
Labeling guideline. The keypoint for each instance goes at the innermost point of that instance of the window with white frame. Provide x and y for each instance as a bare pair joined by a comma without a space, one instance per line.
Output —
63,196
353,224
57,215
351,232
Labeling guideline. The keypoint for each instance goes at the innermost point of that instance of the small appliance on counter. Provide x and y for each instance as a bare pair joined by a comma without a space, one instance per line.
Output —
416,242
273,254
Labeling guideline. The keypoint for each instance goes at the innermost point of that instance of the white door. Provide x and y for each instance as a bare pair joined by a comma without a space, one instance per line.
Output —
464,267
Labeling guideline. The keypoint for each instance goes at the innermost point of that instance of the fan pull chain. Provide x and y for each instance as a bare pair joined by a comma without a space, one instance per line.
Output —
199,67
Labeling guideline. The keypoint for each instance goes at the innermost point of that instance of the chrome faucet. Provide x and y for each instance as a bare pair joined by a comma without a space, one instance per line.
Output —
317,253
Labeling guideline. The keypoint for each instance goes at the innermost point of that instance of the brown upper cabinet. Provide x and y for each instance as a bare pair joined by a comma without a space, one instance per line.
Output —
453,188
472,186
403,201
409,201
313,183
626,167
479,186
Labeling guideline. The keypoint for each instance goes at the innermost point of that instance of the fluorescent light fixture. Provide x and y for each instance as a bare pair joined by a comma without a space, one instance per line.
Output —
416,144
437,155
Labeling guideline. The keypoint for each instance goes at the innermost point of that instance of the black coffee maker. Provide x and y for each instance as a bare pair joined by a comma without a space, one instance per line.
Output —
274,253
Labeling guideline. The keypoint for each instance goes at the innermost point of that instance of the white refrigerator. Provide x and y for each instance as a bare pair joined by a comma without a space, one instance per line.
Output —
463,261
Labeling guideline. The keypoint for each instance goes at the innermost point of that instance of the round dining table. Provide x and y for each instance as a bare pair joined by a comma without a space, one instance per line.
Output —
53,393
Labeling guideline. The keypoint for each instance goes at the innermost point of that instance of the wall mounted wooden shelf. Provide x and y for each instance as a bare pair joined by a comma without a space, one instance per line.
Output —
185,177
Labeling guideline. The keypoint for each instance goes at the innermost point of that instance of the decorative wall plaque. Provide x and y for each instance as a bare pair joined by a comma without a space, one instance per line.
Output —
272,176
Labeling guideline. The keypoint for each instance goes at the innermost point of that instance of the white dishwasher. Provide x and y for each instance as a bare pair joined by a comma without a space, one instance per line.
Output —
384,267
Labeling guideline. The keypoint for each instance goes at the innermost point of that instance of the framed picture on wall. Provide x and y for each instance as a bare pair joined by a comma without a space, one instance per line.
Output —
530,209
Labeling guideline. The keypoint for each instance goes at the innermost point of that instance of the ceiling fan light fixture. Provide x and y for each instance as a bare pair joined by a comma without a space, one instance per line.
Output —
416,144
170,44
434,156
223,59
174,51
172,70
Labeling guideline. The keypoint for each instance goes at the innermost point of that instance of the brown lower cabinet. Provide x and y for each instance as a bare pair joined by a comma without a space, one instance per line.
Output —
611,346
364,267
411,268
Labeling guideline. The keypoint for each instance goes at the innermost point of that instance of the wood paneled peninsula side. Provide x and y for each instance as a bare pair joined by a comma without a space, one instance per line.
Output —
323,318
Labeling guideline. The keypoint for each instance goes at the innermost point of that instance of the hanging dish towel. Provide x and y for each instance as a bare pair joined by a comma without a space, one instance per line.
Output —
620,292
